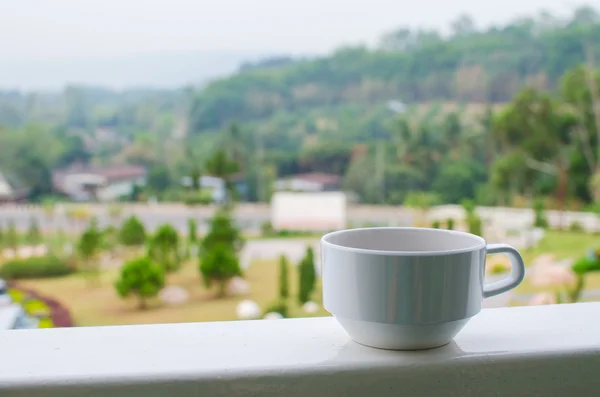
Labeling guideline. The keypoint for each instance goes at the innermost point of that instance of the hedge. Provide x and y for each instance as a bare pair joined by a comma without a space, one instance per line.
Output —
39,267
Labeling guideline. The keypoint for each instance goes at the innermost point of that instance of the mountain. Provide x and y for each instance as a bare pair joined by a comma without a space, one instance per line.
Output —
412,66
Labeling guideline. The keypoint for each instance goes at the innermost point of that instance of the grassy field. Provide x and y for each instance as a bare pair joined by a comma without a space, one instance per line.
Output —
100,305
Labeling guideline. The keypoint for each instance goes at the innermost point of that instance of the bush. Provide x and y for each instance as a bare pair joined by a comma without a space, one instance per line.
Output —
436,224
576,227
40,267
202,197
280,307
540,215
132,232
450,224
142,278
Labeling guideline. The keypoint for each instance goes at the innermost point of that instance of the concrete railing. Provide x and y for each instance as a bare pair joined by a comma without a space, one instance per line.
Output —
516,352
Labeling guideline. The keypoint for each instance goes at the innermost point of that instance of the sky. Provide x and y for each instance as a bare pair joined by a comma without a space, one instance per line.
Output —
47,44
76,29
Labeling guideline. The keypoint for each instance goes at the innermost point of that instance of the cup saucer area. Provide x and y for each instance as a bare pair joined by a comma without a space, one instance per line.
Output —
401,337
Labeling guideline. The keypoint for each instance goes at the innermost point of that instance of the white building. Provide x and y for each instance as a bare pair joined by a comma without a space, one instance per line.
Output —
98,183
322,211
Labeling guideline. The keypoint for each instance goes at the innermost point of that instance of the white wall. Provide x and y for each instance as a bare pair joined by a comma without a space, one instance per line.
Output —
321,211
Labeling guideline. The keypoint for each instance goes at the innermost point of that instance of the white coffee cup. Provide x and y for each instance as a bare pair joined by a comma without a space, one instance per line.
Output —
408,288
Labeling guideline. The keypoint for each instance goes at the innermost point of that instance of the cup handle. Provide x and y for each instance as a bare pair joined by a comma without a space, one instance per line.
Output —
517,270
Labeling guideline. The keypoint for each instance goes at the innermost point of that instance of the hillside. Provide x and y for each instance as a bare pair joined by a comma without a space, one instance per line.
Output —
412,66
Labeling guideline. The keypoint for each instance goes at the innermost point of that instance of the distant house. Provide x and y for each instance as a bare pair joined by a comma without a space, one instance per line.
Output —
312,182
11,191
84,183
216,186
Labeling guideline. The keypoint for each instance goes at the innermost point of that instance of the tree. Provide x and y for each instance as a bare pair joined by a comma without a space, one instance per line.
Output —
192,231
159,179
538,129
140,277
89,246
308,276
163,248
222,166
284,287
132,232
218,252
34,236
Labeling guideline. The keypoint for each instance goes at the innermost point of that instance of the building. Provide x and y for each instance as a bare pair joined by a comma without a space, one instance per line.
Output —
311,182
10,190
216,186
84,183
314,211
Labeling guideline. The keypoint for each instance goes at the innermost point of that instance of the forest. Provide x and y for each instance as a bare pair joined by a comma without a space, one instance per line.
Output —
501,115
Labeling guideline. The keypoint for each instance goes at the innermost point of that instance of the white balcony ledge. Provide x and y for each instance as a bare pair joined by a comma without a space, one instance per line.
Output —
533,351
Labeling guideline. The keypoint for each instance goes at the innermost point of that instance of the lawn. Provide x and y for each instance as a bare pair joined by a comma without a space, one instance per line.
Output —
563,245
100,305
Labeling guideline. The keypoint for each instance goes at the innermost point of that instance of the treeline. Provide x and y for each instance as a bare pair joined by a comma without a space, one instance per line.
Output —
414,66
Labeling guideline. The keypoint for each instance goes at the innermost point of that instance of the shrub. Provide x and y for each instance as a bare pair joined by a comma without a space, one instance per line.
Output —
266,228
192,230
40,267
308,276
436,224
540,215
280,307
450,224
198,197
163,248
142,278
132,232
284,282
576,227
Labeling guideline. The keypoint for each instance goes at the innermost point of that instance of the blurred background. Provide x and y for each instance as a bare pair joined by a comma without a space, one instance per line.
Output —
178,161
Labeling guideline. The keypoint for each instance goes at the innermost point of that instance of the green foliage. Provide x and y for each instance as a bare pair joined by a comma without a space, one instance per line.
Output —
192,230
421,200
218,252
284,282
576,227
163,248
198,197
159,179
281,306
90,241
450,224
34,235
474,222
429,66
142,278
132,232
436,224
37,267
308,276
11,239
540,214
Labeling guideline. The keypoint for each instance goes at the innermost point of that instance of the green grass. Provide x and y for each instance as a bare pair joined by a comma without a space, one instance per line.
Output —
563,245
100,305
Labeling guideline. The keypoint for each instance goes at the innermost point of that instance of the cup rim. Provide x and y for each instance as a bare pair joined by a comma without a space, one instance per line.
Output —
482,243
